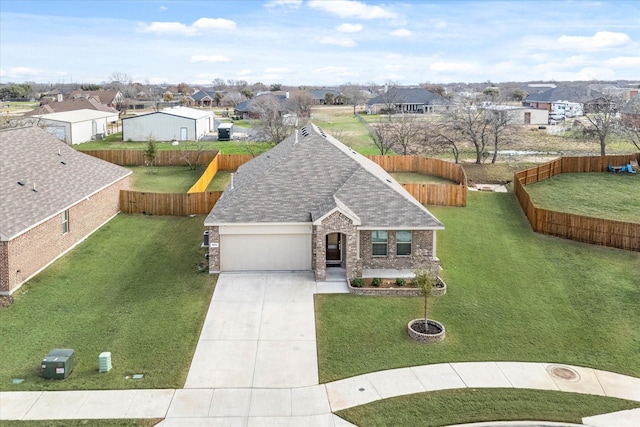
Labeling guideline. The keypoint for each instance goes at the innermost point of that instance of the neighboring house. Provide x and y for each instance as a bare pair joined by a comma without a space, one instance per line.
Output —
630,113
310,203
320,96
203,98
110,98
408,100
249,109
522,115
178,123
76,127
53,197
560,95
71,105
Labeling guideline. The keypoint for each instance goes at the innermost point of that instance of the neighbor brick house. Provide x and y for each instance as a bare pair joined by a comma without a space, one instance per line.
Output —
408,100
312,203
53,197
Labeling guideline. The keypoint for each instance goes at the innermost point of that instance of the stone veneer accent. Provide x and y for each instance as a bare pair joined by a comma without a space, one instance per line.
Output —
30,252
214,253
336,222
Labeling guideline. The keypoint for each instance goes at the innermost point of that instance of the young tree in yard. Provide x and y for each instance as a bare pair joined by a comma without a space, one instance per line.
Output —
425,281
150,155
602,116
192,152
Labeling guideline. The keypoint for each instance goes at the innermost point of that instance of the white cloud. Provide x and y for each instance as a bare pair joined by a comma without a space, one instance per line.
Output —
624,62
352,9
163,8
401,32
399,67
334,71
349,28
245,72
284,3
215,23
187,30
600,40
441,24
344,42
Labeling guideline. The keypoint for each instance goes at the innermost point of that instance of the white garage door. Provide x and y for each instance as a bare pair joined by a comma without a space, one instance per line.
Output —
243,252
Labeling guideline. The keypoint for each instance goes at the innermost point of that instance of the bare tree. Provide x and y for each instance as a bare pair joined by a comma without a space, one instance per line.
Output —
353,93
439,136
390,99
500,126
471,124
377,136
602,116
302,101
272,126
402,133
192,153
630,121
232,99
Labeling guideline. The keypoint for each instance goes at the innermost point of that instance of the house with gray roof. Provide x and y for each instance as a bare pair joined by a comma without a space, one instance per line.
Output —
312,203
53,197
407,100
578,94
176,123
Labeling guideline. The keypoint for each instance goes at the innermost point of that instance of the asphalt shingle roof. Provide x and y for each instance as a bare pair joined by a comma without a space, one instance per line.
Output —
565,93
34,157
413,95
307,175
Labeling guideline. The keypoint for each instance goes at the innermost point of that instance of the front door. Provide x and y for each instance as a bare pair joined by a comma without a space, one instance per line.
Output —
334,249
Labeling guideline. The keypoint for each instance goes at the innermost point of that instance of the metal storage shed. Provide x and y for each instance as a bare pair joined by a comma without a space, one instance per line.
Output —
179,123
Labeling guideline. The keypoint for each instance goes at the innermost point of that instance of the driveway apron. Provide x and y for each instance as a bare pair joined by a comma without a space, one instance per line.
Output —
259,333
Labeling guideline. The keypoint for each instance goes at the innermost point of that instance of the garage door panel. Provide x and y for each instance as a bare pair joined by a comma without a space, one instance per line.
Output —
241,252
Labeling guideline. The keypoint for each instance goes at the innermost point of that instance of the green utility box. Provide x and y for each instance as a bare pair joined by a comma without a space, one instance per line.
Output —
58,364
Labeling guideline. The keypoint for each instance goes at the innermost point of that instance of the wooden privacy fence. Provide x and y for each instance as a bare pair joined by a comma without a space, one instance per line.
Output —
429,194
171,204
163,157
597,231
203,182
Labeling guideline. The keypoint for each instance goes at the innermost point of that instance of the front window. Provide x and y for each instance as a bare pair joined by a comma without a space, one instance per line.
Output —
379,243
403,243
65,222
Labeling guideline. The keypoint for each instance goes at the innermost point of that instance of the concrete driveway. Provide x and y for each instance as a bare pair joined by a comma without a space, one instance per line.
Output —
259,333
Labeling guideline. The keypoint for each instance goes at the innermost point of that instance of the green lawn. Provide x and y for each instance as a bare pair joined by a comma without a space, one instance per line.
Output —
417,178
132,288
602,195
477,405
220,181
137,422
512,295
488,173
165,179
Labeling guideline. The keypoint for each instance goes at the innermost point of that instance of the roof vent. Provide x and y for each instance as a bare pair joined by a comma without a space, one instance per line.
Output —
63,162
321,132
34,188
296,141
304,131
21,183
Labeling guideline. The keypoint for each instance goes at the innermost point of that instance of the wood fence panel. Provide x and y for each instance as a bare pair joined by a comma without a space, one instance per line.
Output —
231,162
168,204
163,157
598,231
203,182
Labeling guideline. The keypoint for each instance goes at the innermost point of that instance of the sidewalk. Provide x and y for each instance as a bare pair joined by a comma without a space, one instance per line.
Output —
255,365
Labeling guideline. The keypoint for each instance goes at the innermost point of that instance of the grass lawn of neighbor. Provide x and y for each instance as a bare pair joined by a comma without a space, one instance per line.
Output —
133,288
601,195
220,181
163,179
512,295
476,405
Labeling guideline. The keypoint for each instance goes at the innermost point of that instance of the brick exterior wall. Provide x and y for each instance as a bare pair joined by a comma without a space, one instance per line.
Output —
335,223
30,252
421,252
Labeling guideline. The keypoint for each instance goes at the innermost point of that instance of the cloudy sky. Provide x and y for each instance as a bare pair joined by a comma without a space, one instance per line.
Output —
319,42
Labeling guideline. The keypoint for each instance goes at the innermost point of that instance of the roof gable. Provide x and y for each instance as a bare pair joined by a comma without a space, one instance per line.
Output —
311,174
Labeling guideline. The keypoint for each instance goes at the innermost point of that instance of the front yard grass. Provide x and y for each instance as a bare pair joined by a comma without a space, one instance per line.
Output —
132,288
450,407
163,179
600,195
512,295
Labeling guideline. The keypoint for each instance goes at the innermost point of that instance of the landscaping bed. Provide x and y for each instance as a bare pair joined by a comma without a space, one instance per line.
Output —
390,287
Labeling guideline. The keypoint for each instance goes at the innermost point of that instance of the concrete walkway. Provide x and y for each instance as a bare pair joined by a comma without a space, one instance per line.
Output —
256,365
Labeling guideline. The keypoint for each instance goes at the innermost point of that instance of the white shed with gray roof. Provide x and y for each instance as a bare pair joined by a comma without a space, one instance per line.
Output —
178,123
78,126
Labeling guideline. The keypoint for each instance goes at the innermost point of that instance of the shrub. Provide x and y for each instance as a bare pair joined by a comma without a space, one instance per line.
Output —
376,281
400,281
358,282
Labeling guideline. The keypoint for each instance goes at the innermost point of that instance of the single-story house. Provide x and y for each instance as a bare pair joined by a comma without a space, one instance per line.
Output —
203,98
53,197
251,108
70,105
110,98
178,123
523,115
78,126
413,100
320,96
579,94
312,203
